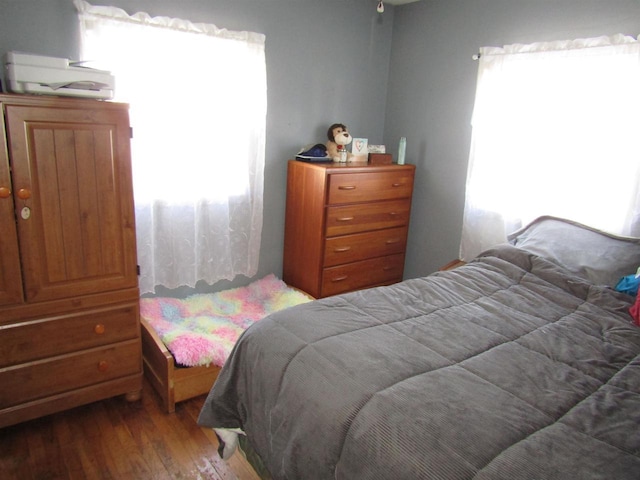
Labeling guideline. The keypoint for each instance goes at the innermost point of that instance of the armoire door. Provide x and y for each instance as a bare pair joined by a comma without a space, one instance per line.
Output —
71,183
10,277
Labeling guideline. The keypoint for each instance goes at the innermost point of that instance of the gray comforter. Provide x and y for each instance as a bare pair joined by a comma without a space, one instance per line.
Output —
505,368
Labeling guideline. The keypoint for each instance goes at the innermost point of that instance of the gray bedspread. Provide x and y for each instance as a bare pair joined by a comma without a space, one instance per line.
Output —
505,368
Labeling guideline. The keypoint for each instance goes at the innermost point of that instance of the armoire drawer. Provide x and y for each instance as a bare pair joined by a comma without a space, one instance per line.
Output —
347,219
44,378
370,186
360,246
36,339
353,276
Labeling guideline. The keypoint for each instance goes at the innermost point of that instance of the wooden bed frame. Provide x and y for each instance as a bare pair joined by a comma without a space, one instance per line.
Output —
172,382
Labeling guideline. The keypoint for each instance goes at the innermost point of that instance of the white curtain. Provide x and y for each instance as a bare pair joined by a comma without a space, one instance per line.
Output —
197,98
556,130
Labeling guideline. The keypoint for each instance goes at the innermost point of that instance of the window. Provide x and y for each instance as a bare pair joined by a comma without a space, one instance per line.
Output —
555,131
197,97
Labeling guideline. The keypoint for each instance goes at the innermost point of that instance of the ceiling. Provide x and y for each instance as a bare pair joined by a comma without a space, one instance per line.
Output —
399,2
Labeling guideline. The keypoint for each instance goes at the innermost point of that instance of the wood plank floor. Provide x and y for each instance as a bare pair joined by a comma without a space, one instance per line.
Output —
114,439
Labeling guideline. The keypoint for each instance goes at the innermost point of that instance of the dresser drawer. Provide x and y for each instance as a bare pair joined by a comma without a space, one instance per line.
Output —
353,276
371,186
360,246
33,380
348,219
32,340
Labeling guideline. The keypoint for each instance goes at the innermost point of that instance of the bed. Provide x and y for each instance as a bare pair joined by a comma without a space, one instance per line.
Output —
186,341
522,364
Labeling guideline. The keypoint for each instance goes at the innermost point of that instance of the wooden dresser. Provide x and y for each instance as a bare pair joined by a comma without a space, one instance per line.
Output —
69,314
346,225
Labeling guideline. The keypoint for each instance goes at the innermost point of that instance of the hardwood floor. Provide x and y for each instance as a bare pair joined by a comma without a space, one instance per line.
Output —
114,439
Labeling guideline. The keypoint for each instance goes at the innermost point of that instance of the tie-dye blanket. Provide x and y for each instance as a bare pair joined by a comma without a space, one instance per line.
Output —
202,329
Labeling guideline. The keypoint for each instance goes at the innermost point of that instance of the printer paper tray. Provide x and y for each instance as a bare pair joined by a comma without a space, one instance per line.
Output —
37,88
71,81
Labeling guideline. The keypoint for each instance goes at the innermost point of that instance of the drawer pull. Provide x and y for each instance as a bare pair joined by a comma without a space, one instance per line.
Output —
5,192
340,279
347,187
103,366
387,268
391,241
396,184
341,249
393,214
24,194
99,329
344,219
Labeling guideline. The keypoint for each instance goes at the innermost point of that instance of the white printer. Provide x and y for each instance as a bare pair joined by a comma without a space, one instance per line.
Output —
38,74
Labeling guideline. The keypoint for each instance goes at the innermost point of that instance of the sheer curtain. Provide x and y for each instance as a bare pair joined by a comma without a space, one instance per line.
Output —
197,98
556,130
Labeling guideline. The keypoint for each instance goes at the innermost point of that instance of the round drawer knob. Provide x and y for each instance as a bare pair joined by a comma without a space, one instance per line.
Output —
5,192
24,194
99,329
103,366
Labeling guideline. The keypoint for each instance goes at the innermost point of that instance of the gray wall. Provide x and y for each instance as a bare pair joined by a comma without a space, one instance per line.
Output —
407,72
432,88
326,62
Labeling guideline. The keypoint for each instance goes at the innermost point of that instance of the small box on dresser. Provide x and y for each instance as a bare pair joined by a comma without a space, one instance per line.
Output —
380,158
346,226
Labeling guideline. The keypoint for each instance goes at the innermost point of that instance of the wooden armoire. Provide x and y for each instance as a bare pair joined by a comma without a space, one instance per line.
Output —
69,312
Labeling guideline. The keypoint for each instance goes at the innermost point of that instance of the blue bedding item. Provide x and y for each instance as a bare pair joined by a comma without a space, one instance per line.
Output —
629,284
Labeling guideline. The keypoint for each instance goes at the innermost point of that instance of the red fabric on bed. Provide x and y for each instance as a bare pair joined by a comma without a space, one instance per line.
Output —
635,310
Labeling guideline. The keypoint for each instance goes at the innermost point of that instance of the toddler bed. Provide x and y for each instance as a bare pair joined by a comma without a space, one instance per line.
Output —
186,341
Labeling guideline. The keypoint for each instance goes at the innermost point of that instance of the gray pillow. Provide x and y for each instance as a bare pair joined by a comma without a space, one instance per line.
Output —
599,257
